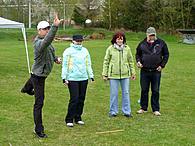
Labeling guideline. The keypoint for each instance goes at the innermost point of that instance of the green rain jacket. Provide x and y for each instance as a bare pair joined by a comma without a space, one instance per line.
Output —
118,64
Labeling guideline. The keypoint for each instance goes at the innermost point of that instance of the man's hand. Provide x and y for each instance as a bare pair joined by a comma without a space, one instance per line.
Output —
139,65
56,21
159,68
58,60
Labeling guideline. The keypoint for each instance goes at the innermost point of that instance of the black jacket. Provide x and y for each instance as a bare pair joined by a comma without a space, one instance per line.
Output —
152,55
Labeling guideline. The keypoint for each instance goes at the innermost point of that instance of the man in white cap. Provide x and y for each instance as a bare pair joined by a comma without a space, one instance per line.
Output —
151,55
44,57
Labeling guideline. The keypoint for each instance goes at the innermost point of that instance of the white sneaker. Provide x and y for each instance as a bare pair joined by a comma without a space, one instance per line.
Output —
69,124
157,113
141,111
80,123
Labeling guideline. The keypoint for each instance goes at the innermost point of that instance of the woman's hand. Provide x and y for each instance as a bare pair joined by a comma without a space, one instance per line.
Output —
105,78
133,77
65,82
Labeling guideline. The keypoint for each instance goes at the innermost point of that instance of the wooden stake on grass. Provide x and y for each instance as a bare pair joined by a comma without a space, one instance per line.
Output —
113,131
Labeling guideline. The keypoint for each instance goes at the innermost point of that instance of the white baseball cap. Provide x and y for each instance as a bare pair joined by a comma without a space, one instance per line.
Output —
42,24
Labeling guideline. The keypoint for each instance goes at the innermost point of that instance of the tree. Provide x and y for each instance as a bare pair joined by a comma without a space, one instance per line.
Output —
135,16
87,9
112,12
124,13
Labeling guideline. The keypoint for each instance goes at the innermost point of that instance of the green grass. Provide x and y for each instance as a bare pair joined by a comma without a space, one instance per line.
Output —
174,128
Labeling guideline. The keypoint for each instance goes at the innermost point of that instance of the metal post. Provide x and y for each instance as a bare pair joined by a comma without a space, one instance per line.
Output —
64,7
110,17
64,16
29,14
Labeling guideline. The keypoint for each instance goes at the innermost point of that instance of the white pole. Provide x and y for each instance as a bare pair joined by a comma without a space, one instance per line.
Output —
25,43
29,14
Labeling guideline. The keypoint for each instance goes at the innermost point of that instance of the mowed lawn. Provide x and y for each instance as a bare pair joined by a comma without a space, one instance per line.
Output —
176,126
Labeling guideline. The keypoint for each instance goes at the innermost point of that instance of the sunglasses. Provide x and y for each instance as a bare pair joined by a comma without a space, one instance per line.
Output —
46,28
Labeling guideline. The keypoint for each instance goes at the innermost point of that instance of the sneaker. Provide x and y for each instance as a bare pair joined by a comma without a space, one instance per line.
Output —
128,115
69,124
40,134
157,113
141,111
28,92
80,122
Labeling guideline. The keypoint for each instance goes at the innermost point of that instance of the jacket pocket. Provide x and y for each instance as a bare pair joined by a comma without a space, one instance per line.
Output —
125,69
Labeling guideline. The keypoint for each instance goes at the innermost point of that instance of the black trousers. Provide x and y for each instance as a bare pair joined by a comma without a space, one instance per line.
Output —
148,78
77,90
38,84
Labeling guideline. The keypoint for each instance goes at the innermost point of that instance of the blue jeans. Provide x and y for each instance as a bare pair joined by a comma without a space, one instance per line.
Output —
114,83
146,79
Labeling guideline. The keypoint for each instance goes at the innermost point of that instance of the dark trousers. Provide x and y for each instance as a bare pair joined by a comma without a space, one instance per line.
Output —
77,90
148,78
38,84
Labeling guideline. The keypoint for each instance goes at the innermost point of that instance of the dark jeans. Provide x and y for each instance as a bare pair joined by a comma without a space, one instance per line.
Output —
77,90
148,78
38,84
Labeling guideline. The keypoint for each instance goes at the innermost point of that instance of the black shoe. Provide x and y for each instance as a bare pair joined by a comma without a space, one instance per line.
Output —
128,116
41,135
112,115
28,92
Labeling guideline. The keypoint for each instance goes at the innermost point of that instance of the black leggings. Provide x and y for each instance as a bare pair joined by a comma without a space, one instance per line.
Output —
77,90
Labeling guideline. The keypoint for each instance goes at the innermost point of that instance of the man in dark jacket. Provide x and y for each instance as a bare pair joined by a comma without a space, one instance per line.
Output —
151,55
44,57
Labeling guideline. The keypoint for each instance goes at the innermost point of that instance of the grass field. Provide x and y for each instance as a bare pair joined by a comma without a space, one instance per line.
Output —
176,126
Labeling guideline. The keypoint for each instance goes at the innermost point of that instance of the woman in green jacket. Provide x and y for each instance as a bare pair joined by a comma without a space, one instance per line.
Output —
118,67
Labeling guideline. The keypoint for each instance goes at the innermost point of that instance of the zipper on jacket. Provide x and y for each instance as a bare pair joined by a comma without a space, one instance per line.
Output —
120,63
111,70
